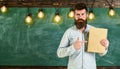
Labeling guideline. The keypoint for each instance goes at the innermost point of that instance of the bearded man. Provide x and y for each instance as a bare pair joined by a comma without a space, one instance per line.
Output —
73,42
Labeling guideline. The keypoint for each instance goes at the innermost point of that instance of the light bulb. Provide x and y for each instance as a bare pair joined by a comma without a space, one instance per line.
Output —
111,12
41,14
3,9
57,18
91,16
28,20
71,14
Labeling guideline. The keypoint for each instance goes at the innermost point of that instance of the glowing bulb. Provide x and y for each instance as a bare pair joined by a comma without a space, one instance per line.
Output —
57,18
41,14
3,9
111,12
91,16
71,14
28,20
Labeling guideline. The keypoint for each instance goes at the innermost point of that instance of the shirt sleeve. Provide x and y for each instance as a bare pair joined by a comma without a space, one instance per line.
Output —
65,49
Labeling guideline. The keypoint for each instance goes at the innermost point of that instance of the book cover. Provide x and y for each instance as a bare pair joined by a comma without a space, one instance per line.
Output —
95,36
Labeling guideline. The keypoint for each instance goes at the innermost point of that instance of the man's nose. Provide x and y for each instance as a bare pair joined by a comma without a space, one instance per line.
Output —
80,17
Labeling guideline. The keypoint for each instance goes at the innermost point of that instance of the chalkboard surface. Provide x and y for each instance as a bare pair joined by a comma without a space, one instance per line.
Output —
36,45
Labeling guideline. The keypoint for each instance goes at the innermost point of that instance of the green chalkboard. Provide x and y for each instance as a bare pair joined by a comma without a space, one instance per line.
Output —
36,45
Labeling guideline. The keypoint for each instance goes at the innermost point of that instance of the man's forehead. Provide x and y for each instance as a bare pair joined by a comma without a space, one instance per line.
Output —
80,11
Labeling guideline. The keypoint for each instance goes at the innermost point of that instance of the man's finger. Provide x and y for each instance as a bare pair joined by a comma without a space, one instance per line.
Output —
85,41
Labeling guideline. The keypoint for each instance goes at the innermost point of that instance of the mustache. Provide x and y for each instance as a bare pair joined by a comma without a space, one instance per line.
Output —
80,23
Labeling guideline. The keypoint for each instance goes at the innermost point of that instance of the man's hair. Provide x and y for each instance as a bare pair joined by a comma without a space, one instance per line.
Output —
80,6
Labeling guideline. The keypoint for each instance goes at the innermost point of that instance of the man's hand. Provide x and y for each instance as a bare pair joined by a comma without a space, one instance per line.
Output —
105,43
78,44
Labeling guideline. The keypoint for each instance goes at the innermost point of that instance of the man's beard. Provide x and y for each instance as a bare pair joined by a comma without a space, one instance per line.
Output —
80,23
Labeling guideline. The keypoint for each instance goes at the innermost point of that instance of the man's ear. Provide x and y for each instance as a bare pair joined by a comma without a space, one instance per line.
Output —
87,14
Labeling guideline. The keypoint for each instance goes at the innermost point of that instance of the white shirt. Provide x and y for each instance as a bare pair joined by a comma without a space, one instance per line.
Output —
78,59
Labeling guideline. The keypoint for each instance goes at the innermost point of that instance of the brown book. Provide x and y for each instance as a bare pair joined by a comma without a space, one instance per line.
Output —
95,36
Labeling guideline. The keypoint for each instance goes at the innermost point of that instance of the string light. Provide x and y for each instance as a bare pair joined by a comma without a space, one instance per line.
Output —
71,13
111,11
40,14
3,9
28,18
91,15
57,18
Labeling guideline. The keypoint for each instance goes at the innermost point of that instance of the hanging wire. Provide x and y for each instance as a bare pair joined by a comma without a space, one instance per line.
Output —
57,11
91,8
28,12
93,3
109,3
87,2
